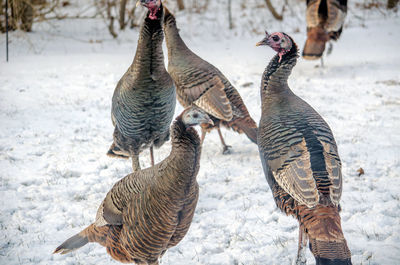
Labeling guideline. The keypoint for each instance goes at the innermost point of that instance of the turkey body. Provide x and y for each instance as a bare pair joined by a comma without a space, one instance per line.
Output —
301,164
200,83
144,99
150,210
325,19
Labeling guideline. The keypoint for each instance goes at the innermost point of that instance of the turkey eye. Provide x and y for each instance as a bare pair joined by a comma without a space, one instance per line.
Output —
195,115
275,38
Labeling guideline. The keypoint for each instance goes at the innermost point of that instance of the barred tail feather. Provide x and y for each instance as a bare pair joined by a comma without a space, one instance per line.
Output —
244,125
315,43
250,132
326,239
91,233
71,244
330,253
115,151
313,49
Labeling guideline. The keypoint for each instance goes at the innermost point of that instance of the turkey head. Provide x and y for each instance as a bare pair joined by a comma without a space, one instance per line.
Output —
278,41
153,6
193,116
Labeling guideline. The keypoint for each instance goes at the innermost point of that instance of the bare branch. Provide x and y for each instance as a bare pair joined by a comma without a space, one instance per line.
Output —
230,14
111,17
273,11
122,8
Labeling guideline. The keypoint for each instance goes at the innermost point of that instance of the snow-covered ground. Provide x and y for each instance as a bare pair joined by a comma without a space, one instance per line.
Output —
55,96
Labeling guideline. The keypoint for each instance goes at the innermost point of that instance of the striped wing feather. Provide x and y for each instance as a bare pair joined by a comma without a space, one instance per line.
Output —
292,171
209,94
117,199
289,159
215,102
334,168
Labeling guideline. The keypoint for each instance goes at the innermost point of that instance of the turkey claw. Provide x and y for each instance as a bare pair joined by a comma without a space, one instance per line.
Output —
226,150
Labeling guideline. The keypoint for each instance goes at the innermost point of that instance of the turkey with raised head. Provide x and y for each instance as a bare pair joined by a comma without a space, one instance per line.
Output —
325,19
144,100
300,159
150,210
202,84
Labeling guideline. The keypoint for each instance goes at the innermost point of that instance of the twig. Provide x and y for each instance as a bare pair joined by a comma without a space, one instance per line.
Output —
230,14
50,10
131,16
111,17
273,11
111,28
122,8
42,16
7,30
60,17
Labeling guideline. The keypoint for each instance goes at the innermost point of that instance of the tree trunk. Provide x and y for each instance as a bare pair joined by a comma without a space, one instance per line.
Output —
12,20
392,3
181,6
2,15
22,14
230,14
122,8
27,15
131,17
110,4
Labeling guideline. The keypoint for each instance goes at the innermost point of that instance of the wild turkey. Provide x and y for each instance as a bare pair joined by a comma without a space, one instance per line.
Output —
150,210
325,19
200,83
300,159
144,100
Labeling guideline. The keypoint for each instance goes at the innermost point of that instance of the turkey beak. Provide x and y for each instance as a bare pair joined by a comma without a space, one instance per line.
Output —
264,41
207,120
210,122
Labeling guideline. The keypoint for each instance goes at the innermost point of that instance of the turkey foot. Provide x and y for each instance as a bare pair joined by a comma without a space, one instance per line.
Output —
135,162
301,252
226,150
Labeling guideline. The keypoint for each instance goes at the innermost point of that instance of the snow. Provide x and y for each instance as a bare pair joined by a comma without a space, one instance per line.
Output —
55,97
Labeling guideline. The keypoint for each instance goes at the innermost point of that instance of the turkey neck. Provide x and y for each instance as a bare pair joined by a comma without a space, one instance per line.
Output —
186,151
149,59
275,77
175,45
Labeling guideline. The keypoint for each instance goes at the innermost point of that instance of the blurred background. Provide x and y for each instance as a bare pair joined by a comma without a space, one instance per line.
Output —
99,21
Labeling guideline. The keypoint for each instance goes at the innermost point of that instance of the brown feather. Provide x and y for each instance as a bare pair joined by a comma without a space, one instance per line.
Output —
325,19
315,43
292,171
199,82
150,210
214,100
324,230
301,163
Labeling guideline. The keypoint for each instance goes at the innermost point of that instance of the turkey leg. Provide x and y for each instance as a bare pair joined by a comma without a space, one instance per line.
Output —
135,162
301,252
225,149
151,156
